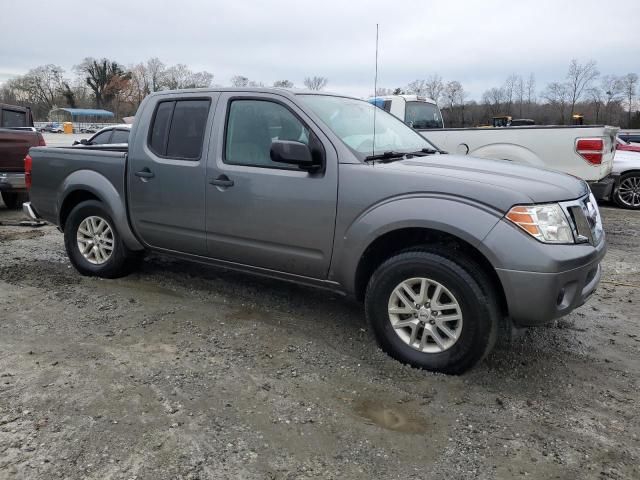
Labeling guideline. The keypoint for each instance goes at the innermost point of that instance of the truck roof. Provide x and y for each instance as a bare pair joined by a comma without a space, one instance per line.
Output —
406,98
289,92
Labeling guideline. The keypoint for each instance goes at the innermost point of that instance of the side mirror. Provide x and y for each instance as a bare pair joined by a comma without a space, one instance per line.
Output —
293,153
75,142
84,141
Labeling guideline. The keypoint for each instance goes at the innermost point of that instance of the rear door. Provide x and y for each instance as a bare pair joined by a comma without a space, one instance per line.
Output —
262,213
166,172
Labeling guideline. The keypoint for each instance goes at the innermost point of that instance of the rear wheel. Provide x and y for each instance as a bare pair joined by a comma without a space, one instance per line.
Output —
93,244
14,200
431,311
628,192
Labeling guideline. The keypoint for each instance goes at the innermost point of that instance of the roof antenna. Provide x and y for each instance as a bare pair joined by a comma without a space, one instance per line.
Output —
375,94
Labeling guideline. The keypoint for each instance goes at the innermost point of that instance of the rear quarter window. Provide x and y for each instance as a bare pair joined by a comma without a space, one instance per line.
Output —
13,118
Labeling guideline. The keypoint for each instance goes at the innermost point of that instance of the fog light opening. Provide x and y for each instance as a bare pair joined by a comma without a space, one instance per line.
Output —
560,297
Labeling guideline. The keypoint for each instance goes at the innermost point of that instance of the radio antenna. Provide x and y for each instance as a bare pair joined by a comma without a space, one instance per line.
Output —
375,95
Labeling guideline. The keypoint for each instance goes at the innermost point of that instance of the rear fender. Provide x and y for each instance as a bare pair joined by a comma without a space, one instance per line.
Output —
113,201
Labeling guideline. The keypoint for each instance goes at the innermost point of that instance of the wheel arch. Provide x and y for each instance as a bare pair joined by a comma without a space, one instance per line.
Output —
393,242
84,185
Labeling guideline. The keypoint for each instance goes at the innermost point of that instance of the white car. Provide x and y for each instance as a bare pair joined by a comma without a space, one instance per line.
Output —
113,134
626,172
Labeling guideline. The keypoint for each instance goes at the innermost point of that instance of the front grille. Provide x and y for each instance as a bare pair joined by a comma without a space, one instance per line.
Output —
586,220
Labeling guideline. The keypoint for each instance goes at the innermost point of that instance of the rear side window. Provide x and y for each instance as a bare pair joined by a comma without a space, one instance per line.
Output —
11,119
120,136
178,129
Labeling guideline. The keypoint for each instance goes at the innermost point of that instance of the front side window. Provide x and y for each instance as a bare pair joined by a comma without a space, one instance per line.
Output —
352,121
423,115
102,138
252,125
178,128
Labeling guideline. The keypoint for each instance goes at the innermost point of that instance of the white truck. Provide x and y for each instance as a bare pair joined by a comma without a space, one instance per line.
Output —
584,151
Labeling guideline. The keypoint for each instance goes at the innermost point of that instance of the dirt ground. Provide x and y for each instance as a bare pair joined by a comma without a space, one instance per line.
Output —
186,372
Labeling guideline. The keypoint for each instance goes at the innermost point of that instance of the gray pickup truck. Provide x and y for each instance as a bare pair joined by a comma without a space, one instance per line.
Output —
443,251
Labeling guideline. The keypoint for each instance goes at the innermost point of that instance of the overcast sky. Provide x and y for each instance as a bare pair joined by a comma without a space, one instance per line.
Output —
478,43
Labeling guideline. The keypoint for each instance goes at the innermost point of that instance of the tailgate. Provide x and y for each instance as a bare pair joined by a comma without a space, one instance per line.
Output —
14,146
609,135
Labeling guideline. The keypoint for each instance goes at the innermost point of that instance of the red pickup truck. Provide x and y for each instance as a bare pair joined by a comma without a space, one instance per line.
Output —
17,136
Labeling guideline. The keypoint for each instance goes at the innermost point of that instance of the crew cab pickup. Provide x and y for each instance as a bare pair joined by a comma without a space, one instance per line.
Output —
583,151
17,135
444,251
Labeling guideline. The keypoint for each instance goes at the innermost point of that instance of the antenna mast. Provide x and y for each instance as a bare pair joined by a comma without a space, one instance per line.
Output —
375,94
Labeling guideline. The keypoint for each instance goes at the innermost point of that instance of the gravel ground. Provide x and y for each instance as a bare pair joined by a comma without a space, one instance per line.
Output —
186,372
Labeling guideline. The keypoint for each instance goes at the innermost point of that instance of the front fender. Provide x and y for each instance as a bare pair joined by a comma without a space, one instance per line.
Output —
98,185
459,217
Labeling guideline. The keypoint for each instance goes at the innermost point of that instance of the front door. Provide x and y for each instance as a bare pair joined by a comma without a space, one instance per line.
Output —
166,176
260,212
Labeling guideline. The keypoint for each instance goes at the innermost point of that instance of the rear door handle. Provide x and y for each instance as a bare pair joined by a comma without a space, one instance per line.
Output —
222,181
145,173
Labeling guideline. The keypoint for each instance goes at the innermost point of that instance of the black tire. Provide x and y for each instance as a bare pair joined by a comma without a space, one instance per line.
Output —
121,261
14,200
628,177
471,288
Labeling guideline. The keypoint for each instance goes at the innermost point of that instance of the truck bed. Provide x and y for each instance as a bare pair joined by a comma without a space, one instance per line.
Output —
52,166
545,146
14,145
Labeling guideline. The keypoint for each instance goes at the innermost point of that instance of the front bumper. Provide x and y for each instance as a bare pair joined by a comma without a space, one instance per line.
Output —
11,182
535,298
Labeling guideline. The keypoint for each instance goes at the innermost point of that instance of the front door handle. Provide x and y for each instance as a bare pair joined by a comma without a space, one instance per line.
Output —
222,181
145,173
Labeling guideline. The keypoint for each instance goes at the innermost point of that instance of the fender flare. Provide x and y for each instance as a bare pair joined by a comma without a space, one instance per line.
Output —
459,217
99,186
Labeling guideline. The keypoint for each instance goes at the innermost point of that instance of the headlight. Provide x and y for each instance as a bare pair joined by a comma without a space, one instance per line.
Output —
547,223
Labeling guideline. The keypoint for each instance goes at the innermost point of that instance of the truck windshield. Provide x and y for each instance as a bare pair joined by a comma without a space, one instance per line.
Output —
352,121
423,115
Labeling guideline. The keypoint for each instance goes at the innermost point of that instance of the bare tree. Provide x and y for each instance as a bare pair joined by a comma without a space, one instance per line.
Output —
519,91
509,91
493,99
239,81
382,91
612,88
596,97
629,85
155,71
454,95
579,79
315,83
417,87
531,91
102,77
177,76
44,84
283,84
558,95
434,87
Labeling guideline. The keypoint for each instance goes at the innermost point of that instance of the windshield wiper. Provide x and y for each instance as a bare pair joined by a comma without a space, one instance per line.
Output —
390,155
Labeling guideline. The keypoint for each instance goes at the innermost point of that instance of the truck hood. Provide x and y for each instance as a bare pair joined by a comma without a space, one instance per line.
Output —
500,183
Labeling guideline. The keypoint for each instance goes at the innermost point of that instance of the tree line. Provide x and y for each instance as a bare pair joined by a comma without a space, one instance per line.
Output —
609,99
105,83
108,84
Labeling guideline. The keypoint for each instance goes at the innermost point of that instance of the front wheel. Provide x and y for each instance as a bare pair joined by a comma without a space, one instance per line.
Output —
627,194
93,244
431,311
